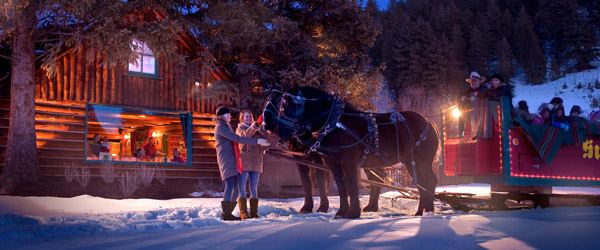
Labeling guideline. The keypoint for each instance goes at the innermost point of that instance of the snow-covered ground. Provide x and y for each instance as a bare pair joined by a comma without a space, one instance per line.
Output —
572,88
193,223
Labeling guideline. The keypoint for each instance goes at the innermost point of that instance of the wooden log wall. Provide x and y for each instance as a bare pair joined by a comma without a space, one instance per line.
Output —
80,81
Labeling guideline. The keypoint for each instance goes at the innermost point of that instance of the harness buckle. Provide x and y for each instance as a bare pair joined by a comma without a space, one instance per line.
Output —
314,147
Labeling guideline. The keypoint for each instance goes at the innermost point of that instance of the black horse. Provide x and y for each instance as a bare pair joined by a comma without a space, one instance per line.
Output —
348,138
310,176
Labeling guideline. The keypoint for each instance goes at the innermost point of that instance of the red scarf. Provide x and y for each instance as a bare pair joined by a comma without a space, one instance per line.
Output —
238,158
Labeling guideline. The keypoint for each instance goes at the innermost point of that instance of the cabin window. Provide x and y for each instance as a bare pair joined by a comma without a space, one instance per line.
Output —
131,135
145,62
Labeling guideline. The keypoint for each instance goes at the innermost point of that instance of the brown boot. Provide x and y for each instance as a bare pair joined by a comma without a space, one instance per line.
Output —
243,208
227,208
254,208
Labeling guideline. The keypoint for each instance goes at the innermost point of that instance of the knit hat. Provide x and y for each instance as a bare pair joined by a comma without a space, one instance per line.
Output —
575,108
556,100
497,76
523,106
222,110
474,75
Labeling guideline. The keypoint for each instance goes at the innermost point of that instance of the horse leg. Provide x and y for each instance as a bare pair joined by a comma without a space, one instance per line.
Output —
304,172
351,175
374,191
427,183
321,177
338,175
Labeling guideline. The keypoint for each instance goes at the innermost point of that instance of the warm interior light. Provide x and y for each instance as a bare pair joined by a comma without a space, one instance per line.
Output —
126,137
456,113
208,84
142,116
197,84
114,155
154,134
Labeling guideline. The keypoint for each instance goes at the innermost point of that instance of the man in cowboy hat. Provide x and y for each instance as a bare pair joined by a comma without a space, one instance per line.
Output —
475,80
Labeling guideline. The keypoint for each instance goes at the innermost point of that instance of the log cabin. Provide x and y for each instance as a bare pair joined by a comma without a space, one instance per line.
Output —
126,106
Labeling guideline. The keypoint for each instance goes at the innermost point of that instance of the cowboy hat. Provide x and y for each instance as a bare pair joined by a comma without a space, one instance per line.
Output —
474,75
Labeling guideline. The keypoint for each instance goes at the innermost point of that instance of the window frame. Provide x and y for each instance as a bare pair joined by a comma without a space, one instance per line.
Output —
141,62
143,111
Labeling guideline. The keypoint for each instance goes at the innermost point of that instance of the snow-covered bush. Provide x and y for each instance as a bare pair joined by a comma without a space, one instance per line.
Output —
83,176
107,171
128,183
145,174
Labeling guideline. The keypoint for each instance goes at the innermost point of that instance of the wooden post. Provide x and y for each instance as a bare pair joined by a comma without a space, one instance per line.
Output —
113,87
106,83
98,70
80,75
73,82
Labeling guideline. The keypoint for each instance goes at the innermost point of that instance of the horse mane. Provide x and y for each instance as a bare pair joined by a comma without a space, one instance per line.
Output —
312,92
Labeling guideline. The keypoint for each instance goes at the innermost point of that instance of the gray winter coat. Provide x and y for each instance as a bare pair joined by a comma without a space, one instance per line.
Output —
224,138
252,157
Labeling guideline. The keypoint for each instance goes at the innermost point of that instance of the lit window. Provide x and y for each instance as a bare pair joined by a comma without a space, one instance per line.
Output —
145,61
131,135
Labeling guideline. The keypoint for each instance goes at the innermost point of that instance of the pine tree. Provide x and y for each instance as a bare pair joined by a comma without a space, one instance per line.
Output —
477,52
50,25
528,52
568,34
504,58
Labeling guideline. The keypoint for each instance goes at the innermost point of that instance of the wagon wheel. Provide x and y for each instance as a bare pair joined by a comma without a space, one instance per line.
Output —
498,201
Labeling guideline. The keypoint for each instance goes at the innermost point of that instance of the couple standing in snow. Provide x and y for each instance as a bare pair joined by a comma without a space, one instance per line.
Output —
237,163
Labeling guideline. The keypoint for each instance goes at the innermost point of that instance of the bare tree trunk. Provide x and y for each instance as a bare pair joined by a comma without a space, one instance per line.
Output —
20,164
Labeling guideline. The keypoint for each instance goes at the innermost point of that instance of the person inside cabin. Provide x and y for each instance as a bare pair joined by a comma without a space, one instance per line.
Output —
229,160
575,115
544,116
522,111
95,146
105,145
139,154
252,159
559,119
177,156
149,149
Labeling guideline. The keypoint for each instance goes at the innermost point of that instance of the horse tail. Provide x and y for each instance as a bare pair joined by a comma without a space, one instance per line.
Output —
438,152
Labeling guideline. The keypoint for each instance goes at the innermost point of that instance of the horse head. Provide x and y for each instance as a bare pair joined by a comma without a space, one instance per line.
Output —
283,113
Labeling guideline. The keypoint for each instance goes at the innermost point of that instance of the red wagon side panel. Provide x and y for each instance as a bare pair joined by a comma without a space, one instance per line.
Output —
571,162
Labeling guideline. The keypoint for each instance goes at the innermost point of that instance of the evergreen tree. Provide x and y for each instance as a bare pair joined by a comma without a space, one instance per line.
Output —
528,52
319,43
477,52
504,59
568,34
50,25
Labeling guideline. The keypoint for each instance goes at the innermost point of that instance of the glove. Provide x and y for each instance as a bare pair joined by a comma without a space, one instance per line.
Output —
561,125
259,120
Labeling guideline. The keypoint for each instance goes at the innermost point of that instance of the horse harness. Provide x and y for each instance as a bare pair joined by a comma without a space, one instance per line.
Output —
370,141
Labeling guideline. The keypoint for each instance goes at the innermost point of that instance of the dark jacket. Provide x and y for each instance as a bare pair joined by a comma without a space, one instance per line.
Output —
224,138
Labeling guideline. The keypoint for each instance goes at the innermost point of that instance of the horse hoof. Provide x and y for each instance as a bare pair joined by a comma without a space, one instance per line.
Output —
370,209
352,215
323,209
306,210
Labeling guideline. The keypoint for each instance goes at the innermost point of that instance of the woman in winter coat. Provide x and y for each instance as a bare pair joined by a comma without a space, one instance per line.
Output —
544,117
252,159
225,140
559,119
